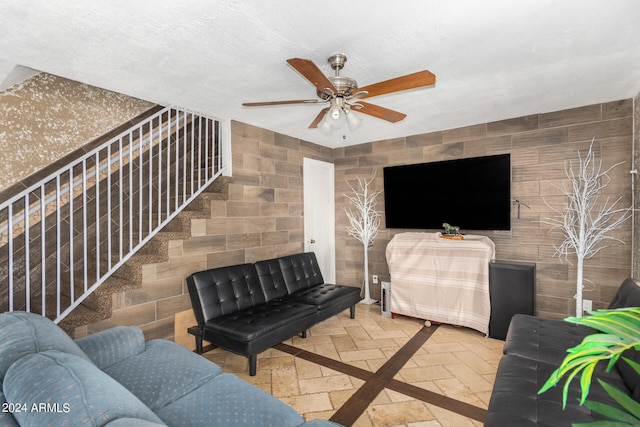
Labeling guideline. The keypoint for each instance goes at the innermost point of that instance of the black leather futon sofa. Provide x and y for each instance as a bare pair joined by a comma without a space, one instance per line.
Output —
533,349
248,308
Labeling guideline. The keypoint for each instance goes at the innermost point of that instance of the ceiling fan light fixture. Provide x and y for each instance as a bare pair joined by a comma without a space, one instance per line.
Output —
324,126
336,117
353,120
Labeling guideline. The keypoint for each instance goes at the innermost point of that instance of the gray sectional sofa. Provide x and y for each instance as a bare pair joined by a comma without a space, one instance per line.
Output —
248,308
115,378
533,349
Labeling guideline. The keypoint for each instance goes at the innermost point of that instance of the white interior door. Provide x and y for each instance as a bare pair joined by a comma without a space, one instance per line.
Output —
319,215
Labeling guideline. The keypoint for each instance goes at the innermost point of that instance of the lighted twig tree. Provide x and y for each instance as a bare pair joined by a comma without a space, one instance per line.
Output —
586,222
364,222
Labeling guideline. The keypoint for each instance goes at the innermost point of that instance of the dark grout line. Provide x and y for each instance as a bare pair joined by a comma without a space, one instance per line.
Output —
355,406
444,402
362,398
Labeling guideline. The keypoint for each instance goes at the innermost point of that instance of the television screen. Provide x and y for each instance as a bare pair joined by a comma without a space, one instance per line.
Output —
473,194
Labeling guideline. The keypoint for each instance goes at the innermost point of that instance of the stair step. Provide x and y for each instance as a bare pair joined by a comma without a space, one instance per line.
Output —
98,305
82,315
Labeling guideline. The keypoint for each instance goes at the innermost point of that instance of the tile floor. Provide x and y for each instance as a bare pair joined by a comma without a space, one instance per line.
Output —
457,363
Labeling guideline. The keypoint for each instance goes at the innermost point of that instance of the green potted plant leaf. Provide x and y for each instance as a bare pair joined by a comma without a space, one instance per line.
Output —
620,331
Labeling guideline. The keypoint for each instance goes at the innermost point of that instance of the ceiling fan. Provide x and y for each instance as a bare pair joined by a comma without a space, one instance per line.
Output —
343,94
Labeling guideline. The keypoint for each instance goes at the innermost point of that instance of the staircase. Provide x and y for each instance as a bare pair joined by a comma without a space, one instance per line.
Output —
71,240
98,305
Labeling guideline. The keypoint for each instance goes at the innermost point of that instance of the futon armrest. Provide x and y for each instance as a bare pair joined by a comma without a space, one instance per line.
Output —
106,348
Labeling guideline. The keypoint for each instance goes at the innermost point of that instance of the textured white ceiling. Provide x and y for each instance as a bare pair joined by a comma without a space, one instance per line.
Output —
493,59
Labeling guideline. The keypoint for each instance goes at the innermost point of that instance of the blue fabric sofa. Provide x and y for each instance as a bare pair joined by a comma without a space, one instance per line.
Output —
115,378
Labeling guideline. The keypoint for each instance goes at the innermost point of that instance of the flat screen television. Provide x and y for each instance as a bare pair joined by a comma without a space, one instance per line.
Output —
472,193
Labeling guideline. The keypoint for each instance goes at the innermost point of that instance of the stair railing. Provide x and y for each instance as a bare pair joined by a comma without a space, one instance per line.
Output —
65,235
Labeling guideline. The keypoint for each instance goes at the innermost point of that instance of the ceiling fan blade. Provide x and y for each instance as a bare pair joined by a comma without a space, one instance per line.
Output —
410,81
294,101
312,73
380,112
318,119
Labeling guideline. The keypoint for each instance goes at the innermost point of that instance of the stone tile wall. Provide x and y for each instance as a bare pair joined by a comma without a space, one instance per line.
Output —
539,145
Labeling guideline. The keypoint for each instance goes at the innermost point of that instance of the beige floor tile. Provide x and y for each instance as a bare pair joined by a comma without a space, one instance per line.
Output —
311,340
323,415
363,421
424,373
340,397
357,333
276,362
393,414
376,343
397,397
285,389
309,402
307,370
328,372
388,334
468,377
451,419
475,362
333,383
454,388
457,362
432,423
284,374
350,356
344,343
375,364
436,359
327,350
314,332
445,347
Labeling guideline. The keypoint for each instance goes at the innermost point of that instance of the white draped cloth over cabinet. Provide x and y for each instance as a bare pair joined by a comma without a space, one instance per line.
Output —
440,279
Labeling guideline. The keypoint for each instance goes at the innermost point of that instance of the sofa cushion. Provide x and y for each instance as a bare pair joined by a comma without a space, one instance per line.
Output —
627,295
254,322
6,419
76,389
629,375
220,291
25,333
320,423
327,295
515,400
114,345
300,271
271,279
543,339
228,401
163,373
132,422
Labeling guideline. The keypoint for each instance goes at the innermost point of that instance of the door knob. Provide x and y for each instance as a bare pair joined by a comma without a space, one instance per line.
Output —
312,241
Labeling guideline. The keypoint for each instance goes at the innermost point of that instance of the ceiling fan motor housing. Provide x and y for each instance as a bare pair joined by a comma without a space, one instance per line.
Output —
344,85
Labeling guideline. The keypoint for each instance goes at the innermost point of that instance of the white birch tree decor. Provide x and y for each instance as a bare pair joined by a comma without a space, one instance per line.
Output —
364,222
586,222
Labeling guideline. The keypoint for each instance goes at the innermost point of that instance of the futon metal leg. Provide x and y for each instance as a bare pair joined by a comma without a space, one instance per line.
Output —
352,311
253,361
198,345
304,334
